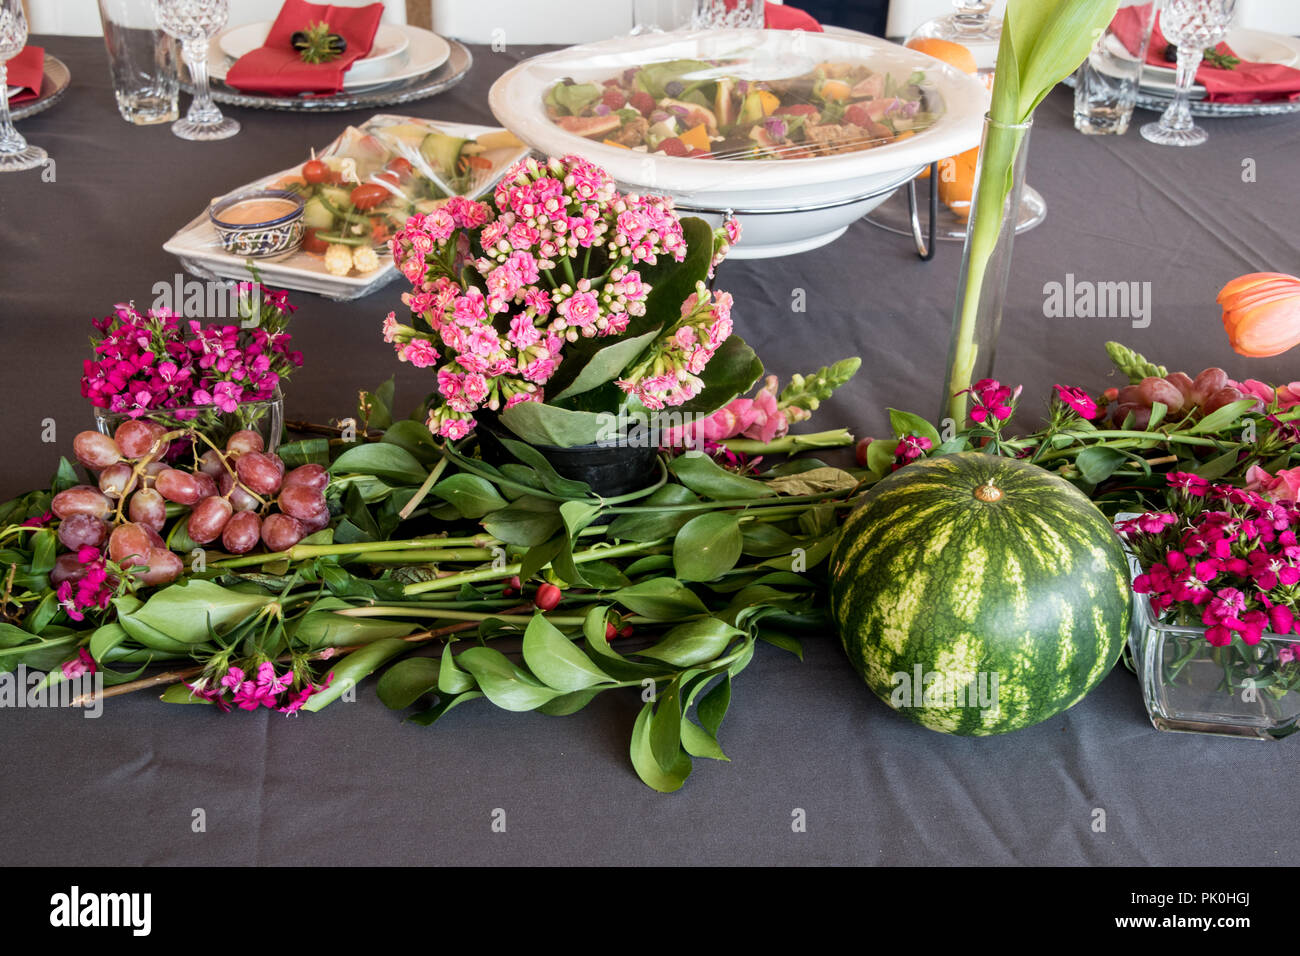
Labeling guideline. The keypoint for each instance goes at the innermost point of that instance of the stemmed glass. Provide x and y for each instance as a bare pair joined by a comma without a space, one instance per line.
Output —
15,154
194,22
1192,26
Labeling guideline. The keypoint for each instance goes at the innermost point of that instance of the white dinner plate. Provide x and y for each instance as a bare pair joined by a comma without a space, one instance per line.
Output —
390,41
199,250
1254,46
425,51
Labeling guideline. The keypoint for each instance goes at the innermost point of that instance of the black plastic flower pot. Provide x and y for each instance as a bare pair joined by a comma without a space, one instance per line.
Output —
609,468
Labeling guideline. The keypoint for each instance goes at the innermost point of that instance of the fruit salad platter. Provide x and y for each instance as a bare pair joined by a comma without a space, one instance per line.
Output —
803,132
353,195
703,110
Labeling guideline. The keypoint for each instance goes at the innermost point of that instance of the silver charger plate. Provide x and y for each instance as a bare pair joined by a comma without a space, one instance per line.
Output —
435,81
1152,101
54,84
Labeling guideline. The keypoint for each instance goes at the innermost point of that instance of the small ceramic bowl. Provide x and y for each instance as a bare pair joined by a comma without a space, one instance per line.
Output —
259,223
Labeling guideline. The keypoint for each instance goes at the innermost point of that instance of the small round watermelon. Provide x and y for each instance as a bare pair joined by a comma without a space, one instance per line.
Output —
979,595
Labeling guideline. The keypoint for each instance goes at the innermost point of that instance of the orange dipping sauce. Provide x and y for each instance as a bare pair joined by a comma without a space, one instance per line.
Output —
252,211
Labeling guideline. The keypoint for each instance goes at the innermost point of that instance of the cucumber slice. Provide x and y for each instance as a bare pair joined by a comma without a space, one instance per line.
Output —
316,216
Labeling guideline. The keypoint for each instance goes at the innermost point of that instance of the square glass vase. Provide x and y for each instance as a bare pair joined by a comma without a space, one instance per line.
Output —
1190,686
266,417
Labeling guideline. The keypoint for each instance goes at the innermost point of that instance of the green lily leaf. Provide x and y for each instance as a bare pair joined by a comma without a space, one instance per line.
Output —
700,473
407,681
528,521
698,742
707,547
693,643
540,424
661,599
427,717
653,525
607,364
383,460
184,612
470,495
644,762
502,682
556,660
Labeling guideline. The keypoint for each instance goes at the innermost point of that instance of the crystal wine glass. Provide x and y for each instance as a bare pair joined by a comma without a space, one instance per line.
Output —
194,23
1192,26
15,154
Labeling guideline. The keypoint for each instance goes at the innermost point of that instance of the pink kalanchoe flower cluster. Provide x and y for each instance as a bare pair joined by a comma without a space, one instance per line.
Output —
265,688
500,288
671,376
990,399
1229,559
90,589
154,361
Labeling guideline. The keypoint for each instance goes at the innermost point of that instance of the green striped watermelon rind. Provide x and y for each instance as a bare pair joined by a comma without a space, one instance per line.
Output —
918,577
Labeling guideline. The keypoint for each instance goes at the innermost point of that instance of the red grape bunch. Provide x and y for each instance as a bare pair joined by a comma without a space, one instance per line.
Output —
231,496
1182,395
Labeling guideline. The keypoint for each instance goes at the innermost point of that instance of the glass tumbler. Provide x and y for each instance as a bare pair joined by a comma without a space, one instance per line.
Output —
1106,85
142,60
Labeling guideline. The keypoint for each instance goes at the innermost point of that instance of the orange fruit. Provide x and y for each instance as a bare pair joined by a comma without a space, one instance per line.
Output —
954,54
957,181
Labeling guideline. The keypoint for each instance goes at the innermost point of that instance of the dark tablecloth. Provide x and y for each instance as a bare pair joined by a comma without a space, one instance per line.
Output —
354,785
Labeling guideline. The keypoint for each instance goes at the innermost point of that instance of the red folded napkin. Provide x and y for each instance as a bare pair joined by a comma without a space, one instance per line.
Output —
1244,83
277,68
777,16
27,70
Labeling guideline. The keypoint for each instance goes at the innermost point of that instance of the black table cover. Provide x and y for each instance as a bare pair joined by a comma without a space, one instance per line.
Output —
354,785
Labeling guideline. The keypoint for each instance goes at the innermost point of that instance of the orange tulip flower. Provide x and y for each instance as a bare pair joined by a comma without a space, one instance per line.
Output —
1261,313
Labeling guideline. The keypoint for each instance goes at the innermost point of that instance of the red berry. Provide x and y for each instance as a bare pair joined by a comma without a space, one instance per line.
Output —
613,98
860,452
642,102
673,146
625,631
548,597
611,632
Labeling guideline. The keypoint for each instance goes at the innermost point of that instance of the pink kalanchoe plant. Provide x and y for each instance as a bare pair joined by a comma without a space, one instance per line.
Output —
559,291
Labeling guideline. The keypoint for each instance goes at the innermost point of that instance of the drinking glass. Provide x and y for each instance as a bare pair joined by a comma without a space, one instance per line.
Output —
1191,25
141,61
194,23
1106,84
15,154
728,15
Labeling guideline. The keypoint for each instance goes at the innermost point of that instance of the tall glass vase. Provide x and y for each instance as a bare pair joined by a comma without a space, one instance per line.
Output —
986,261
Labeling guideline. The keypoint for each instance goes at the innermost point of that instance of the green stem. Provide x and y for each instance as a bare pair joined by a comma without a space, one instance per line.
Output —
790,443
1146,436
997,161
435,613
510,570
